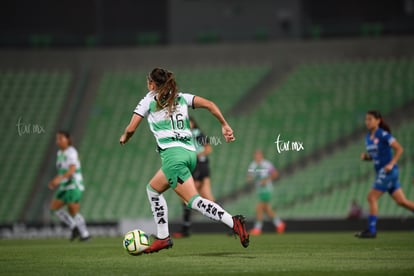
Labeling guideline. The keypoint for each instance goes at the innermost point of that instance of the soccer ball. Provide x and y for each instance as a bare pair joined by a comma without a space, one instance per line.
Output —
136,241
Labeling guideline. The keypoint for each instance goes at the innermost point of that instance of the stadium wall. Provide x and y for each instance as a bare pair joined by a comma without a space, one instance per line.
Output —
278,53
46,23
117,229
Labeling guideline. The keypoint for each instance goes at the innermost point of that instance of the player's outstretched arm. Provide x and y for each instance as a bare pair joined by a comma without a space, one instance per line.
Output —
130,129
200,102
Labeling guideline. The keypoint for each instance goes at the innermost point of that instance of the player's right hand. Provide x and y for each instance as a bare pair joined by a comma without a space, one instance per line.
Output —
228,133
54,182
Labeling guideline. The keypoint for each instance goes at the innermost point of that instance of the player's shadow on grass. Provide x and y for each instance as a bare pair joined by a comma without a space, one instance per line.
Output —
227,254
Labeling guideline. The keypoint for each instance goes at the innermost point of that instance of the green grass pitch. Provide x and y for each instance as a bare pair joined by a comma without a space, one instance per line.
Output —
392,253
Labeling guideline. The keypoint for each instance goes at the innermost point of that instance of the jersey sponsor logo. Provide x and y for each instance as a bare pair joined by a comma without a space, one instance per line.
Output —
180,138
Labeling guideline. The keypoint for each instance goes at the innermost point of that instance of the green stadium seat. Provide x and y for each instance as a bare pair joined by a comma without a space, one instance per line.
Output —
33,97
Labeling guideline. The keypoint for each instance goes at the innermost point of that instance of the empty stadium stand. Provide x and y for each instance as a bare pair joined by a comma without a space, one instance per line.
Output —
31,103
326,89
326,189
316,105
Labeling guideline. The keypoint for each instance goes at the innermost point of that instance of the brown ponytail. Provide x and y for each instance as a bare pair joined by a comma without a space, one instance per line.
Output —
166,88
382,124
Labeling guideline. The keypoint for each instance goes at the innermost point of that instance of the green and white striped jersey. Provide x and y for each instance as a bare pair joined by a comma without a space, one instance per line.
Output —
260,171
170,130
66,158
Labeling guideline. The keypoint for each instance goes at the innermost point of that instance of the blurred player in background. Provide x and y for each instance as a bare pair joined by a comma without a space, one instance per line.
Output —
262,173
379,145
69,184
355,210
167,113
201,175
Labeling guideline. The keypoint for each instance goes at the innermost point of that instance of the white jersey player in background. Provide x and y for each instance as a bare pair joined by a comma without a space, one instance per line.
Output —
262,173
69,184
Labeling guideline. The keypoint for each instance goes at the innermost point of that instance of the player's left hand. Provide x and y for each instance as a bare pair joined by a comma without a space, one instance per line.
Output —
228,133
388,167
123,139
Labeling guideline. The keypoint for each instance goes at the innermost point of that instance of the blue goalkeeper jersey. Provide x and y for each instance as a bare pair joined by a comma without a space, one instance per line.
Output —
379,148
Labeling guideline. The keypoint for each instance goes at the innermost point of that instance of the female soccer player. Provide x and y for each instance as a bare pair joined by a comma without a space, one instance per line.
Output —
69,184
379,144
261,172
167,112
201,175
